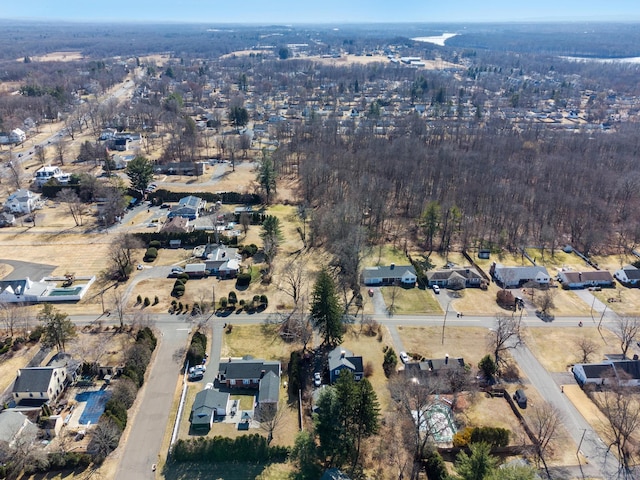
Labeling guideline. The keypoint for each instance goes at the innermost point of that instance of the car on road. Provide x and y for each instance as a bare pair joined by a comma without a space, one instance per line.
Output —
165,205
436,289
317,379
404,357
370,292
140,266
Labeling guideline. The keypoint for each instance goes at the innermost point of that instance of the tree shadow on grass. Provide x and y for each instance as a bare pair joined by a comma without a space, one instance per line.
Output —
222,471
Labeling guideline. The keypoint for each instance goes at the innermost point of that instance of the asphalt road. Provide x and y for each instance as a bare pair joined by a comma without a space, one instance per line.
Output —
150,423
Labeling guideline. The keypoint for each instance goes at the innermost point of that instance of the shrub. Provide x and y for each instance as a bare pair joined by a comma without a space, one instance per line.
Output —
151,254
434,465
138,299
183,276
243,280
156,300
264,300
154,244
233,298
36,333
488,367
147,302
506,299
197,349
390,361
368,369
223,302
494,436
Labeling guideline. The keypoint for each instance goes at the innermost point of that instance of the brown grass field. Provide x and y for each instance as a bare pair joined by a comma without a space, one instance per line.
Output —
557,349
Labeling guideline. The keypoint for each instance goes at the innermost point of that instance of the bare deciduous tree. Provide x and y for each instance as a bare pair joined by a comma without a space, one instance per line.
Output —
587,347
13,317
270,417
544,421
626,328
77,208
414,398
104,438
121,255
61,150
292,279
623,419
504,336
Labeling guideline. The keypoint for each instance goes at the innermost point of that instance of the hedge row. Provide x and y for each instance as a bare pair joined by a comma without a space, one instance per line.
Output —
247,448
224,197
197,349
197,237
494,436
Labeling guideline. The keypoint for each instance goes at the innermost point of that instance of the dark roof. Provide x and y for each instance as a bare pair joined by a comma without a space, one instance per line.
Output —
342,357
467,273
434,365
632,272
630,367
269,390
598,370
388,272
580,277
34,379
241,369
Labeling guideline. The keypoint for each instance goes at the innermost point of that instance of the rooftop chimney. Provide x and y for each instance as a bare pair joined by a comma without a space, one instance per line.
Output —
446,359
342,353
393,265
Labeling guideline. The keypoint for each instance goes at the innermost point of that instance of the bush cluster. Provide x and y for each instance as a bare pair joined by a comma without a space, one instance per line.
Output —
494,436
179,285
151,254
247,448
197,349
243,279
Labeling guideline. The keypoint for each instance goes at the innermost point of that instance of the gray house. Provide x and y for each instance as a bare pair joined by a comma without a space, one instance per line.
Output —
189,207
339,359
468,276
208,406
511,277
610,372
629,276
391,275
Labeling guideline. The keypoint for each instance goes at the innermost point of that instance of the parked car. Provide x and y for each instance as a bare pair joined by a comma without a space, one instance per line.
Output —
317,379
165,205
404,357
195,376
370,292
436,289
521,398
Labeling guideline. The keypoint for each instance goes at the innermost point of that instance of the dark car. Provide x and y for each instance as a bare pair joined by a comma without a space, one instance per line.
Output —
165,205
521,398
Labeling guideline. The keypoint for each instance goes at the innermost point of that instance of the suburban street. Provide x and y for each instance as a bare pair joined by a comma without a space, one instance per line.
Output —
150,424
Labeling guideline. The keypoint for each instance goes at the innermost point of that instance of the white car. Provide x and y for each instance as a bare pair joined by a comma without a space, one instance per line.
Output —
404,357
436,289
317,379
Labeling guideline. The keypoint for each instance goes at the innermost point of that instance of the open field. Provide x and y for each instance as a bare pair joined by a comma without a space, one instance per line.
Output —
365,60
483,410
622,300
56,57
469,343
558,351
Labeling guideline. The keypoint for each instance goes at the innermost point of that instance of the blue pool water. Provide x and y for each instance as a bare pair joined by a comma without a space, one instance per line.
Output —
96,401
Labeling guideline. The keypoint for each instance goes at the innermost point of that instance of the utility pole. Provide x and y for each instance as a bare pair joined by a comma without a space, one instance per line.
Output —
444,321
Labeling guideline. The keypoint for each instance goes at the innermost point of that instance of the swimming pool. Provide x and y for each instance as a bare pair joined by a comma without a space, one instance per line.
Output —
59,292
95,403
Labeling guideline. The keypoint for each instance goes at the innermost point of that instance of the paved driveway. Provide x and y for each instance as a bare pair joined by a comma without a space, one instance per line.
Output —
35,271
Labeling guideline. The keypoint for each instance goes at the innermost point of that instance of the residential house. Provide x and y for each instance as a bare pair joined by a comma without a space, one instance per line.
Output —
208,406
38,385
609,372
222,260
189,207
434,366
22,290
629,276
341,358
596,278
391,275
254,374
4,138
17,136
22,201
177,225
451,277
13,425
510,277
46,173
7,219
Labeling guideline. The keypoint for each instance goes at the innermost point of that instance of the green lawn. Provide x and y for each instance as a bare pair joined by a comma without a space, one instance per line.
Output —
245,400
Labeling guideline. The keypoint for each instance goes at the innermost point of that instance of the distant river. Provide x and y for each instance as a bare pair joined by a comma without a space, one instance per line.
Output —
604,60
437,40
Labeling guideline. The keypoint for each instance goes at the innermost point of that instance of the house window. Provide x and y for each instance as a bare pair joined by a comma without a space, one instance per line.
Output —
246,382
232,382
30,395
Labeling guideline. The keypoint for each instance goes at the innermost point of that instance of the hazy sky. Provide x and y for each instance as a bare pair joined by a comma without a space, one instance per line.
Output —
325,11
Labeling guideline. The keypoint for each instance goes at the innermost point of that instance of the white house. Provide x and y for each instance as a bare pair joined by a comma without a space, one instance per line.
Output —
17,136
44,174
628,276
22,201
39,384
610,372
404,274
517,276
